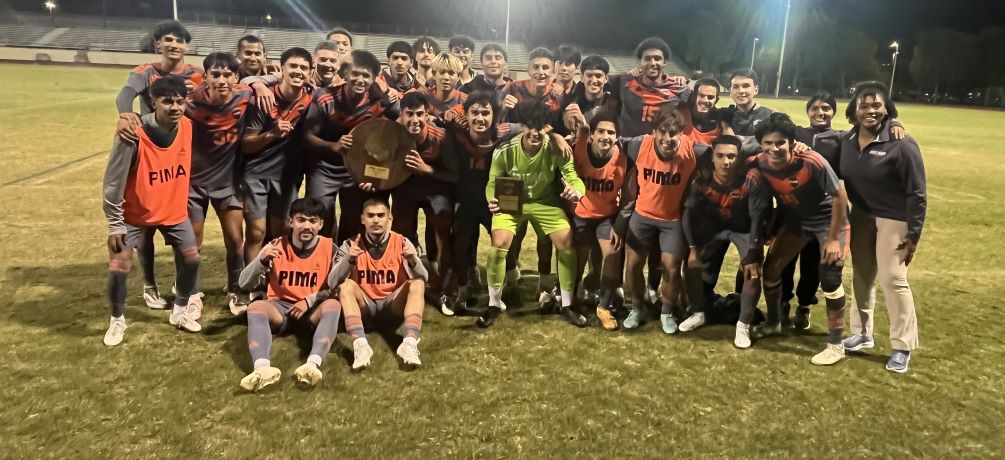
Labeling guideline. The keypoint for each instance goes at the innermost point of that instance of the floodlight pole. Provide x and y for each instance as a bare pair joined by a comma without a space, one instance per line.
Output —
893,72
507,25
781,56
753,52
174,9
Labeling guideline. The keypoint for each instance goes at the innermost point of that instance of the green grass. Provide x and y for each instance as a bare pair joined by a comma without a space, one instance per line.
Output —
532,387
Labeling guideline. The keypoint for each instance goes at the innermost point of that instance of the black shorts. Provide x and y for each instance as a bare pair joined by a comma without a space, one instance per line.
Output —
433,196
587,232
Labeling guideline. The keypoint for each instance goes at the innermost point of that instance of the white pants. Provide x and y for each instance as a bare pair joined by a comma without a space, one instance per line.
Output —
874,242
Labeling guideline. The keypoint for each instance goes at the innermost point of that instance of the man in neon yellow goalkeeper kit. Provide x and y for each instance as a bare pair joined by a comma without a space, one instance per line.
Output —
531,157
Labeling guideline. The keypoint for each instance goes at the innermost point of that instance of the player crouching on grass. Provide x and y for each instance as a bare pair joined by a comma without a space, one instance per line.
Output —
538,163
381,271
146,190
720,210
294,267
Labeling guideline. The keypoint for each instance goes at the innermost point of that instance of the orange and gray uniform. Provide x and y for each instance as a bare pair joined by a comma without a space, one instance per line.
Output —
145,190
805,189
887,188
636,102
140,79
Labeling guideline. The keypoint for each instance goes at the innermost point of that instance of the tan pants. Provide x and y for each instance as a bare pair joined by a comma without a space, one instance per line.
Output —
874,252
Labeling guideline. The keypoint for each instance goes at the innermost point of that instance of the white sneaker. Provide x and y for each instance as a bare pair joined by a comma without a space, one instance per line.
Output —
152,297
361,354
693,322
308,374
261,378
184,321
238,303
653,297
408,351
194,308
445,307
742,339
116,331
831,355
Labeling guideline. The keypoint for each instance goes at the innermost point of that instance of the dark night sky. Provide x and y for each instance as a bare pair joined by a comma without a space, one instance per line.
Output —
608,24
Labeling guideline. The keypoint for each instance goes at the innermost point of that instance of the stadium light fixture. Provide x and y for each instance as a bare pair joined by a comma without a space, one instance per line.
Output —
896,50
753,52
50,5
268,18
781,55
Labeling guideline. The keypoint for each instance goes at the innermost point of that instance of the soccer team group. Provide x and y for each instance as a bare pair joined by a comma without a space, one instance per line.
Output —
618,172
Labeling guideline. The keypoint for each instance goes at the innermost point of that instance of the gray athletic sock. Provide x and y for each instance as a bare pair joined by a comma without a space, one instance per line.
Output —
748,301
117,292
835,319
259,336
666,308
186,277
324,334
235,264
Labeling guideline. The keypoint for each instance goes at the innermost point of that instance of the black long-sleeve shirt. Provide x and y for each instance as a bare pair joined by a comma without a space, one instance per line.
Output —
886,178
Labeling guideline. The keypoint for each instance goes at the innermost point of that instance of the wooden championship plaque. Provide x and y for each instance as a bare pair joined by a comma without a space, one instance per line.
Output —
378,153
509,192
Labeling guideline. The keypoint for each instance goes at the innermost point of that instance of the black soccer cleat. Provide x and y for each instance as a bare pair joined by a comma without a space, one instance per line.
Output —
489,317
572,316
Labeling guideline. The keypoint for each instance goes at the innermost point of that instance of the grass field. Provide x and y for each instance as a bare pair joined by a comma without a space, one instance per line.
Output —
531,387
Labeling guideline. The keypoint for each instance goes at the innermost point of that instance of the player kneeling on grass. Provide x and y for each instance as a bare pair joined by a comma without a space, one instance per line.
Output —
815,206
146,190
537,162
380,271
720,211
295,267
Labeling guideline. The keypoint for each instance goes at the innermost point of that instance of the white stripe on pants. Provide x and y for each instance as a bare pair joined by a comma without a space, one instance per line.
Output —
874,242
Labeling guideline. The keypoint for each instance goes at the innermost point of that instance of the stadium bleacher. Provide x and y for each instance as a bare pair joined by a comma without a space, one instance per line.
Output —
89,33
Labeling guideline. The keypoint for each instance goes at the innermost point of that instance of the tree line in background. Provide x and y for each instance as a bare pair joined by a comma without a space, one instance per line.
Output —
943,66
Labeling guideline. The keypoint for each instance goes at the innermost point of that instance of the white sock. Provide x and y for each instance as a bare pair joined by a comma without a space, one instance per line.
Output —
315,360
178,309
119,318
494,296
361,341
260,363
566,298
742,325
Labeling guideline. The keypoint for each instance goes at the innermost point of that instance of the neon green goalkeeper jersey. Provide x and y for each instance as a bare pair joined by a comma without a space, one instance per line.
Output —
540,181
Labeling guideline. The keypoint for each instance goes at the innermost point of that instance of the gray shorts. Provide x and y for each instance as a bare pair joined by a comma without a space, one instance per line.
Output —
267,197
645,234
178,235
285,307
586,232
381,309
740,240
325,188
199,199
